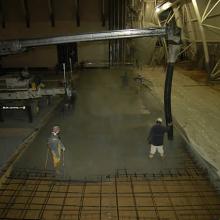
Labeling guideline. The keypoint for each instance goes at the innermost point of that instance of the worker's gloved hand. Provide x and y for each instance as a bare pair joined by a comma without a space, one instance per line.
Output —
63,149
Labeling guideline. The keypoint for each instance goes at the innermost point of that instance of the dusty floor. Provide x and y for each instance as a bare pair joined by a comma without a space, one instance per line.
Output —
107,130
107,174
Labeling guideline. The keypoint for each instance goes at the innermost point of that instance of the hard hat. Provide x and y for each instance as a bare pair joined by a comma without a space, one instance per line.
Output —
159,120
56,129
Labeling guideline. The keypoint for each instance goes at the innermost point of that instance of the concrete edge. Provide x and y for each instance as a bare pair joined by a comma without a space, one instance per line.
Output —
212,172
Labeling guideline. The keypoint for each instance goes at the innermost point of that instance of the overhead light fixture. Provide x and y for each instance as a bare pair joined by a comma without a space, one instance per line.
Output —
157,9
163,7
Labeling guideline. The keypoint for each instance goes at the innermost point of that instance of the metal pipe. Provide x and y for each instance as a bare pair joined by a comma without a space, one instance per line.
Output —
163,40
108,35
71,67
64,77
15,46
167,98
173,51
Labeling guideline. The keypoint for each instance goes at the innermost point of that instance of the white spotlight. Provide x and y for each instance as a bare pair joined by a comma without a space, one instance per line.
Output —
163,7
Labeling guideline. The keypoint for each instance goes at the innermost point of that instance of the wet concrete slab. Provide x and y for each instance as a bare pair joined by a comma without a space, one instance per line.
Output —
107,130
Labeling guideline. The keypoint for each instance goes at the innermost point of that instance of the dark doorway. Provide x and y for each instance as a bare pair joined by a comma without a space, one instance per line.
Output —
65,53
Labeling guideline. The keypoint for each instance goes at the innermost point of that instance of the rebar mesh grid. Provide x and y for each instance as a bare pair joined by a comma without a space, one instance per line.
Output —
185,194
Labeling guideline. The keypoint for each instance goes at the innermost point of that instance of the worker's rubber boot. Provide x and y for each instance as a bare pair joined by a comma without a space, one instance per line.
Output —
151,156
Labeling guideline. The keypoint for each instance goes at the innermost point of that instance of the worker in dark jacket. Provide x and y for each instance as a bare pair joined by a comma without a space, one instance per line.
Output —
155,138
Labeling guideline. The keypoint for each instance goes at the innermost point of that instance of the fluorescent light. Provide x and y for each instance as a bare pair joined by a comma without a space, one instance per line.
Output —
165,6
157,9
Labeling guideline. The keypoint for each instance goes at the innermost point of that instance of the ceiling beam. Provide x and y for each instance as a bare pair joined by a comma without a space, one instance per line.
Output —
26,13
210,11
2,14
103,13
77,7
15,46
51,6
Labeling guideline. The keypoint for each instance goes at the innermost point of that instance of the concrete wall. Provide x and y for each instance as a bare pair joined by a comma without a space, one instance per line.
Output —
40,26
